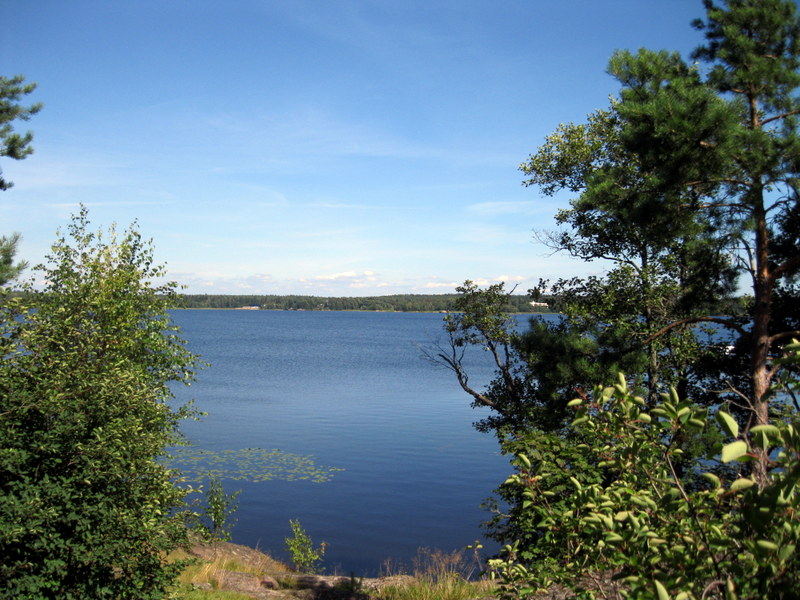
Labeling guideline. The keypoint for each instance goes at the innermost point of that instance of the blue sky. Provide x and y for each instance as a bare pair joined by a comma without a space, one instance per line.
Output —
336,147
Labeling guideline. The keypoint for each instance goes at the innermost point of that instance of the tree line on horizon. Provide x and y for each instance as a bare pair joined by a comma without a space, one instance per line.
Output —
513,303
517,303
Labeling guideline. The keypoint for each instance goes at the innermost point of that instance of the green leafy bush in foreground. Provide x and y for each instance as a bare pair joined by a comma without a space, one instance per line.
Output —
644,524
86,509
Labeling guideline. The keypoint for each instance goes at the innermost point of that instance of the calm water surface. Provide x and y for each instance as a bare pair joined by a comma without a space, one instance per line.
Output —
354,390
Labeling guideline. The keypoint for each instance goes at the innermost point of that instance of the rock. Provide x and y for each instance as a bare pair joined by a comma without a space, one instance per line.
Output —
384,582
243,554
269,583
319,582
244,583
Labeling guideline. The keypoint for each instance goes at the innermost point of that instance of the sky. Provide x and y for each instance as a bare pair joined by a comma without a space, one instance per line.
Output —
320,147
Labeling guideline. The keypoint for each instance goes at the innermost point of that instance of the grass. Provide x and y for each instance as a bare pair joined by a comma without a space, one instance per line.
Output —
439,575
212,572
434,575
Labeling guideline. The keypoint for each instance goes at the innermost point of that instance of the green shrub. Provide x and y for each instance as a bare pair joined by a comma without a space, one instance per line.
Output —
217,517
86,508
658,537
304,557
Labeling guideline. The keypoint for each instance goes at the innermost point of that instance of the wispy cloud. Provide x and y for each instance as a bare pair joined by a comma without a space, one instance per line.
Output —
508,208
343,206
306,132
82,170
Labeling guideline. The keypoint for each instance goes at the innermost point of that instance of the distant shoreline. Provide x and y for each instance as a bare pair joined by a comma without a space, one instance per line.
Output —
364,310
422,303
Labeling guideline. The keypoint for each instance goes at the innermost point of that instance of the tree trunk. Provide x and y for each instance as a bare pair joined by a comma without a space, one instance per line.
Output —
759,345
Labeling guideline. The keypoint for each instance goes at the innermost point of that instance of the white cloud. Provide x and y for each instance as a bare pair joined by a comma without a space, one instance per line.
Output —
441,284
352,279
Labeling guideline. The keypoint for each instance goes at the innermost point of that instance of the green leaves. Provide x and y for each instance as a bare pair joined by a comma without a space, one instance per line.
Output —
665,538
742,483
85,412
728,423
661,591
305,557
217,517
734,451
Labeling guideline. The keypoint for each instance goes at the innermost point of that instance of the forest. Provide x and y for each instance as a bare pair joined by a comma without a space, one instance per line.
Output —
515,303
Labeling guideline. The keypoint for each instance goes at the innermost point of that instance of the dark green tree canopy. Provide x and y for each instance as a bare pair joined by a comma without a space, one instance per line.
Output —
17,146
13,144
687,184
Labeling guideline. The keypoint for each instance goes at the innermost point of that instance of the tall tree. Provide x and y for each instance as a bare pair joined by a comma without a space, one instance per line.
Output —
687,182
17,146
744,172
9,267
688,168
12,144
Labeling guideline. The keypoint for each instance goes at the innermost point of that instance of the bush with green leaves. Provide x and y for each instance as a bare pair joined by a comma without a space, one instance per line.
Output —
305,558
87,509
656,533
216,520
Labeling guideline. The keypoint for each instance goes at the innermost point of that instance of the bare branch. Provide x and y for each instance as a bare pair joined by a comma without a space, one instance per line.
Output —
783,334
786,266
719,180
726,322
453,361
781,116
748,406
463,381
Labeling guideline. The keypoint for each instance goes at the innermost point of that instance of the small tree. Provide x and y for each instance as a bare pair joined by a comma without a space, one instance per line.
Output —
217,517
87,509
304,557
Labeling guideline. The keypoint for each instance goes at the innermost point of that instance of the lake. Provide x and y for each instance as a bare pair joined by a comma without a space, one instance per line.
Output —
353,390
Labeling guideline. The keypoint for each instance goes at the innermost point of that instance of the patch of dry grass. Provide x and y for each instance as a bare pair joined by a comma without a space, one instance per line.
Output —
209,566
439,575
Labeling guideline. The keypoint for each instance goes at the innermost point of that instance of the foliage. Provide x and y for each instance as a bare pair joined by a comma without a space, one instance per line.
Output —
9,269
481,318
305,558
86,509
216,519
686,182
660,537
12,144
16,146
